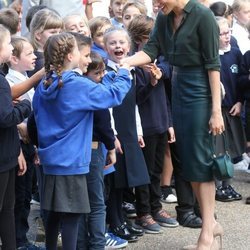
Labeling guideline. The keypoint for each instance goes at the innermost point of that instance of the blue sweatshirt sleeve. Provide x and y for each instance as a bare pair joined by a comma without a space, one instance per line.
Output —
11,115
244,80
94,96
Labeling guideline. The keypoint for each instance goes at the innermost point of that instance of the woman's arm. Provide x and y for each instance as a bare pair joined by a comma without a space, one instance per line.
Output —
216,122
137,59
21,88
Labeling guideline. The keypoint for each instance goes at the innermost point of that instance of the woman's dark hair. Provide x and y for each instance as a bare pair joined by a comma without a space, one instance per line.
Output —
221,9
56,48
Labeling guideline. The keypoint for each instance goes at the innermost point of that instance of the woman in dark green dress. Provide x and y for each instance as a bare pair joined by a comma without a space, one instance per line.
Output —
187,35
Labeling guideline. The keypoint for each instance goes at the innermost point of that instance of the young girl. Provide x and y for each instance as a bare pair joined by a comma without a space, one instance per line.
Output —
130,10
98,26
131,169
65,101
10,116
77,23
44,24
241,16
230,58
22,60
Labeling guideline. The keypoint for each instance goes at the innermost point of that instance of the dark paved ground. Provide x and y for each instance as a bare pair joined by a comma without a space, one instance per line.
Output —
234,217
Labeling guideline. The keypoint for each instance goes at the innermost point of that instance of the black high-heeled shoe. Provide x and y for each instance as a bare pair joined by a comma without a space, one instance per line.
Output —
124,233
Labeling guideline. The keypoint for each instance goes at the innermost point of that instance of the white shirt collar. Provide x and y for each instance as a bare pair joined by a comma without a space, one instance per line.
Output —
223,51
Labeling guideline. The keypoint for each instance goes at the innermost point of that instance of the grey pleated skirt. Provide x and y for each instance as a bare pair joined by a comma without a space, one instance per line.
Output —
66,193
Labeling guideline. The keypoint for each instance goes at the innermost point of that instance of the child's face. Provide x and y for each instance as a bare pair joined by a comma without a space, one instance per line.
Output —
117,46
129,14
243,15
96,75
116,8
77,24
27,59
42,37
225,36
6,49
98,36
85,59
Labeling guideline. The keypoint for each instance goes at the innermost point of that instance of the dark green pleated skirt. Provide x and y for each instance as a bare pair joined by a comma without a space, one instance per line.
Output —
191,104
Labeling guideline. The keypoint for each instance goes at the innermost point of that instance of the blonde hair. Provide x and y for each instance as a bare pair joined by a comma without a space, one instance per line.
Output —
66,19
96,23
238,5
137,4
221,21
3,32
44,19
113,30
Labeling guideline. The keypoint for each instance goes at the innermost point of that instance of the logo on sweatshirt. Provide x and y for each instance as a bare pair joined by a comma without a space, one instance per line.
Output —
234,69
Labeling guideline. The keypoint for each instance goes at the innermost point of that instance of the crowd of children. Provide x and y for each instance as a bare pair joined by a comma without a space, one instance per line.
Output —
99,136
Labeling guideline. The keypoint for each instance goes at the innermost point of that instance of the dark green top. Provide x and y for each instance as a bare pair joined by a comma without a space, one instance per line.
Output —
195,42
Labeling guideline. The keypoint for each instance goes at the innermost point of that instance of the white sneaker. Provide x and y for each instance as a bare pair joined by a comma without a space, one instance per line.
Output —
241,166
171,198
246,157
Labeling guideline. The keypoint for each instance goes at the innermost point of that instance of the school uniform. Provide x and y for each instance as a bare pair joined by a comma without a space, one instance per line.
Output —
229,76
23,184
131,169
10,116
156,118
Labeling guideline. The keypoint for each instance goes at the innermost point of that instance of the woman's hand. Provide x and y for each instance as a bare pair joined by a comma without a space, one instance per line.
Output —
216,123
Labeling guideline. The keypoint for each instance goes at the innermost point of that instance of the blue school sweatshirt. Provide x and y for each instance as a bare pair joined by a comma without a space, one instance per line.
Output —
64,118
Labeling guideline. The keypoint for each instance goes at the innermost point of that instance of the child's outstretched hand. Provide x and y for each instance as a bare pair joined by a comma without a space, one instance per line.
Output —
155,71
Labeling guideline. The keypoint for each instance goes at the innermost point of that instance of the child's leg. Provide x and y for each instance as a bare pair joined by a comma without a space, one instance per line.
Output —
166,176
52,226
97,216
7,200
69,223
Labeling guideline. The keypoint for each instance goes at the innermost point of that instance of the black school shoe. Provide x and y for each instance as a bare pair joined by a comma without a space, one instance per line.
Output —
236,196
189,219
226,194
123,232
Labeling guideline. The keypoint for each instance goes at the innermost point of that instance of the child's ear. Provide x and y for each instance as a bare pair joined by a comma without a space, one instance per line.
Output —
70,57
37,35
14,60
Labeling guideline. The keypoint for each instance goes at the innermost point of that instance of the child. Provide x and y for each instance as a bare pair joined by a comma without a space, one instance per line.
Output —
156,123
131,169
76,23
102,132
10,116
9,18
241,10
22,60
65,190
44,24
245,83
115,8
98,26
130,10
230,58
